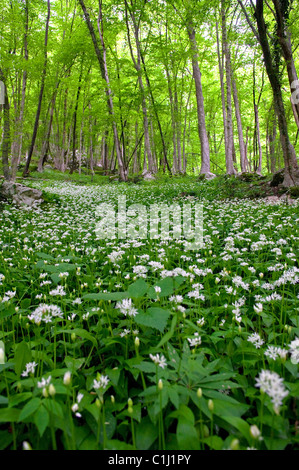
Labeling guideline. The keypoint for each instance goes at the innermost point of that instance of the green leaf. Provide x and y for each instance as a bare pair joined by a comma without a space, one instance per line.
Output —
29,408
146,434
9,415
186,433
3,400
22,357
74,364
214,442
19,398
107,296
239,423
170,333
81,333
41,419
223,408
25,303
115,444
174,396
154,318
6,439
138,289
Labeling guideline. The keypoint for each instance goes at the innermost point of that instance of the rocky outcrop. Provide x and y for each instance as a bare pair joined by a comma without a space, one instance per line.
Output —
20,194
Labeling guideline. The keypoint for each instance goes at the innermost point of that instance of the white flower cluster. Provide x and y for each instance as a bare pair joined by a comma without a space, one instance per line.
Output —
294,350
159,360
270,383
256,340
45,313
8,296
30,368
127,308
101,382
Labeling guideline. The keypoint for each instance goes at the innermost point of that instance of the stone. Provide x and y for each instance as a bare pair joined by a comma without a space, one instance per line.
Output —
278,178
21,194
147,175
210,176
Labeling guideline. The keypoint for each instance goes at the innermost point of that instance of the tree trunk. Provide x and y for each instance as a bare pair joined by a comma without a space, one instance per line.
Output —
203,136
16,149
229,119
243,158
44,72
101,56
6,131
284,39
291,176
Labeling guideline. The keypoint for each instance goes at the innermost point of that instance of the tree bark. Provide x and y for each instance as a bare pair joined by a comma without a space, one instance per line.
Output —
284,39
6,131
101,56
137,65
43,78
229,119
291,176
203,136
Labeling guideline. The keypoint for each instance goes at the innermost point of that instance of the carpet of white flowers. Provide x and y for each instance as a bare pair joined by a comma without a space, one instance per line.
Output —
141,343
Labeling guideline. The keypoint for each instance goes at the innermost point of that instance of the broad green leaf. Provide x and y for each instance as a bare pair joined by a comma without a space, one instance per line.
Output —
22,357
186,433
9,415
138,289
115,444
41,419
154,318
114,296
170,333
29,408
74,364
146,434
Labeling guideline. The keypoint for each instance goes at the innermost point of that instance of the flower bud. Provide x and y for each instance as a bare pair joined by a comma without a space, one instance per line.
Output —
67,378
45,392
137,342
112,399
130,402
255,432
206,431
211,405
73,336
199,392
52,390
26,446
234,445
160,384
2,356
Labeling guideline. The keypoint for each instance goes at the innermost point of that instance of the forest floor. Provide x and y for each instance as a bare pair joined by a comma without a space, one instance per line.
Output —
143,342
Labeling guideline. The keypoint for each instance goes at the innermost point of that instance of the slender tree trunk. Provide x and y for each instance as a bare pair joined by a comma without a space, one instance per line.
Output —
74,148
229,118
16,149
203,136
291,177
284,39
243,158
101,56
137,65
6,131
46,143
44,72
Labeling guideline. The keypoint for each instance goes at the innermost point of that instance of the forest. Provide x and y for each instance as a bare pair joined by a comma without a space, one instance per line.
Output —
208,87
149,186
